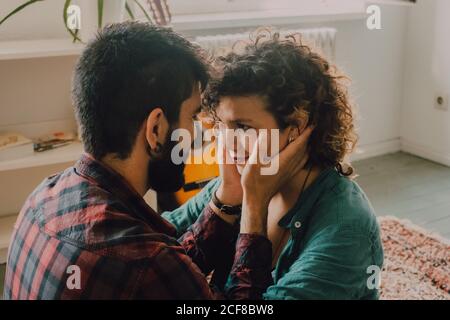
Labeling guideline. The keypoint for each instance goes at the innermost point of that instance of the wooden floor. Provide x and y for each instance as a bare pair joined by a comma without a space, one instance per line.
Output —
404,186
408,187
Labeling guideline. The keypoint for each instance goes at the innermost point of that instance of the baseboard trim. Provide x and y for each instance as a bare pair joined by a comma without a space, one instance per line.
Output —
425,152
395,145
376,149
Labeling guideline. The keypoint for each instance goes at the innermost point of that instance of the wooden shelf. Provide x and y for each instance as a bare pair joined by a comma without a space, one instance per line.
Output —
60,155
26,49
6,229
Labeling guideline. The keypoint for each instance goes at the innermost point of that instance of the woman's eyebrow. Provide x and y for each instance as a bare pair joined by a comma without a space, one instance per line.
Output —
242,120
234,121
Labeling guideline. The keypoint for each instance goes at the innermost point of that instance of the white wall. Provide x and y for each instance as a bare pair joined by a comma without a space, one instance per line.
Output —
40,20
35,90
375,60
425,130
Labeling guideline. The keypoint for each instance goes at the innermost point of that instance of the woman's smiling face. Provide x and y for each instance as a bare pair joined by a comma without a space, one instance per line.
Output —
248,114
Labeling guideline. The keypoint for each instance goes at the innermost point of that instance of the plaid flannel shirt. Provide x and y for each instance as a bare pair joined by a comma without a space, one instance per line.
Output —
89,217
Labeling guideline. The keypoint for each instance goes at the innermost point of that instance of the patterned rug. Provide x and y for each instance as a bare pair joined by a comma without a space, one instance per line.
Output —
417,263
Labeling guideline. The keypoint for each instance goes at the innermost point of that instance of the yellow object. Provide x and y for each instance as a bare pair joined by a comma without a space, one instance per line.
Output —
196,177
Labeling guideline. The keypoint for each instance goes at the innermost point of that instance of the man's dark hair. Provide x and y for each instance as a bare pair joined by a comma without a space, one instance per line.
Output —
128,70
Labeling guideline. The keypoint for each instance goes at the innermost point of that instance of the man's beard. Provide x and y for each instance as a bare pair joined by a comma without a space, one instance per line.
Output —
163,174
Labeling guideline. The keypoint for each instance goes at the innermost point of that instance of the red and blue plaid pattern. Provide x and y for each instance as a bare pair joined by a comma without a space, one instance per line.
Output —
90,217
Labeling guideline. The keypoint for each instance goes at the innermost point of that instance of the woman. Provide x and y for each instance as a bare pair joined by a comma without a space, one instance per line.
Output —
324,234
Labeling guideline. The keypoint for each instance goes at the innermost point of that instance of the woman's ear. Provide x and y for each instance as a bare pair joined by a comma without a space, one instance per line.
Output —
156,128
301,123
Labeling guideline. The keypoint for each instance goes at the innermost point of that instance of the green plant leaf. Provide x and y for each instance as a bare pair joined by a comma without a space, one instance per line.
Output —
19,8
100,13
74,34
144,11
130,12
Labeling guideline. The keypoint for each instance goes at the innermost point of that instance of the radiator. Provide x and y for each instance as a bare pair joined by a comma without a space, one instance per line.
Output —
322,40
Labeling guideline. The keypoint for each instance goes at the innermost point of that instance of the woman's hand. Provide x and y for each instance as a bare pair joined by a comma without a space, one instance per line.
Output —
259,189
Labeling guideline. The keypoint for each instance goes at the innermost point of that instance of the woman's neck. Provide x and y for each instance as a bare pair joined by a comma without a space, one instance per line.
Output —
291,191
282,202
287,197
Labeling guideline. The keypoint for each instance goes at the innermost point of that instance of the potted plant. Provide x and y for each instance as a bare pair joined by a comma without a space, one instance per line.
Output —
96,14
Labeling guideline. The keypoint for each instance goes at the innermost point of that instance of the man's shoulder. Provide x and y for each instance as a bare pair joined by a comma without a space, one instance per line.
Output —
67,192
79,212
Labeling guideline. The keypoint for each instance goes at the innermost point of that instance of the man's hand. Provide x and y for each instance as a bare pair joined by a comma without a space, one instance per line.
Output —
230,190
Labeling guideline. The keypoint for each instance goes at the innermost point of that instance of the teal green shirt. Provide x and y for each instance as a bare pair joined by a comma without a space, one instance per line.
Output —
334,239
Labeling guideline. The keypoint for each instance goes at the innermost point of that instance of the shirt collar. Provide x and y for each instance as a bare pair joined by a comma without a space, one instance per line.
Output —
118,186
296,218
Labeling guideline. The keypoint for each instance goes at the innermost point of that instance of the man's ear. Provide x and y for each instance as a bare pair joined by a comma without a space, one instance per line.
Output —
156,128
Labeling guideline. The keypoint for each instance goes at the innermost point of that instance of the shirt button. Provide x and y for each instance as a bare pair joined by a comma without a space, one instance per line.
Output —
297,224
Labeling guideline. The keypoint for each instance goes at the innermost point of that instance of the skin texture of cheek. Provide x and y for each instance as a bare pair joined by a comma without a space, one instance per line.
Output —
283,140
276,142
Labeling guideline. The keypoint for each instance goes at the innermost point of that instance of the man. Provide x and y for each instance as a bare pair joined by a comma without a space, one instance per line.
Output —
86,233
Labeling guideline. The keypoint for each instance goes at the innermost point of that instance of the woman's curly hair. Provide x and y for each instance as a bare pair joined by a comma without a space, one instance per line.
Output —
295,82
